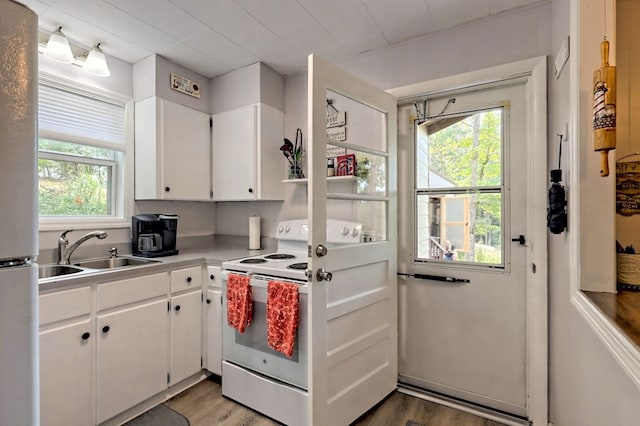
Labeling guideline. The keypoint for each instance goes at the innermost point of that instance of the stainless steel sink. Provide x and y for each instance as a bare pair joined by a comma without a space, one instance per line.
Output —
113,262
48,271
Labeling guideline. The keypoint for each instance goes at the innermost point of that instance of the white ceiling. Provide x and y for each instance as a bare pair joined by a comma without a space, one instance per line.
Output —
213,37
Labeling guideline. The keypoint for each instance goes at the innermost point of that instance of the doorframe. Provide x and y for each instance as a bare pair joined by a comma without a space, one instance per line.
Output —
536,291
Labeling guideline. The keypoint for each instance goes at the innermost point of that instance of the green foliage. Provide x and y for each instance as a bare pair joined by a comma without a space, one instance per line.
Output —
451,151
69,188
471,157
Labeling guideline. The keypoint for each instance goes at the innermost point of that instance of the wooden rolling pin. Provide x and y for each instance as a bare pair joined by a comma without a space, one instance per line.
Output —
604,109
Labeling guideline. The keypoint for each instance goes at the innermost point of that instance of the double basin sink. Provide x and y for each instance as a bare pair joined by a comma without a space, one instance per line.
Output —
48,271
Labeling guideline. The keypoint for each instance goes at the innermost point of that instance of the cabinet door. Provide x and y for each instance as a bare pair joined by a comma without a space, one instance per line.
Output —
186,335
213,327
186,144
132,356
66,375
234,171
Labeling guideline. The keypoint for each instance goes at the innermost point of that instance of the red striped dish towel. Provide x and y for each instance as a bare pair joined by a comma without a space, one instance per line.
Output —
282,316
239,302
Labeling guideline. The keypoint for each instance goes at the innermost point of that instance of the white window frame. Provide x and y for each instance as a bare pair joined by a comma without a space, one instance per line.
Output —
122,176
462,190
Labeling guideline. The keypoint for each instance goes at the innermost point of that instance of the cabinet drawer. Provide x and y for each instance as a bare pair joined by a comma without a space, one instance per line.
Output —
186,279
64,304
213,277
132,290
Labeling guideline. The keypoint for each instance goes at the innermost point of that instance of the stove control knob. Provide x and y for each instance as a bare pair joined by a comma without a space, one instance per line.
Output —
345,231
354,233
280,229
287,228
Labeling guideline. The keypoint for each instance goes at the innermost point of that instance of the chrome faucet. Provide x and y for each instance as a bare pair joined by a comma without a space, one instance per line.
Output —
65,250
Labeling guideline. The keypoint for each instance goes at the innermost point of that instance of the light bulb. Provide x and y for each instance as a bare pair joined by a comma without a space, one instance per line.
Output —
96,62
58,48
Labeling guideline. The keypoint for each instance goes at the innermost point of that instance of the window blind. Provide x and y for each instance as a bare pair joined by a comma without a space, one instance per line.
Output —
81,118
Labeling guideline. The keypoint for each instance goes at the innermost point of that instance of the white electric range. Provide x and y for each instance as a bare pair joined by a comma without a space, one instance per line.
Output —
290,259
254,374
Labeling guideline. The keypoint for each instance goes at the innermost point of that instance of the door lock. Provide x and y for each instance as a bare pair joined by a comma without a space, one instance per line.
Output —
520,239
322,275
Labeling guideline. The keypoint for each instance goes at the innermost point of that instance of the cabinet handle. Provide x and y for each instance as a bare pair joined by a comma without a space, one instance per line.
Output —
250,190
188,279
167,189
85,336
208,301
177,308
106,329
212,277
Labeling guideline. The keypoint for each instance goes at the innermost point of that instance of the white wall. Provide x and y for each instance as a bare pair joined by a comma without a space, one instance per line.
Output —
151,77
586,385
120,81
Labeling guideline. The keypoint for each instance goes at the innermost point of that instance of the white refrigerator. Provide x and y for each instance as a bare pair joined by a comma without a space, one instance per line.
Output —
18,215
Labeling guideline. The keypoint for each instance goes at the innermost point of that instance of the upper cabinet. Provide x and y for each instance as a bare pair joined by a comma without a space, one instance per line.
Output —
172,151
247,162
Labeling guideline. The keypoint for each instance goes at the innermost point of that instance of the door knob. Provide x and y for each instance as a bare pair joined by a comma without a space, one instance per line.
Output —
322,275
321,250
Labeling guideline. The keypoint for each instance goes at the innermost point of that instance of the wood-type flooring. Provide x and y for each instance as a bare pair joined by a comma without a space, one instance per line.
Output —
204,405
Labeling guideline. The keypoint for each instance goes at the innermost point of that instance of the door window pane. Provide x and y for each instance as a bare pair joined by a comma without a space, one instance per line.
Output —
459,188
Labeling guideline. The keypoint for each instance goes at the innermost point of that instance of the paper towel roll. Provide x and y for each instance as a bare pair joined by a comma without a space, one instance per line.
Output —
254,233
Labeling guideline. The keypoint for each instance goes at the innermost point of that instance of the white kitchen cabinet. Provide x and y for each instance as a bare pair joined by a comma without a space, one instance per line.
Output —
186,335
186,279
132,356
172,151
213,321
186,323
66,375
67,345
247,162
214,331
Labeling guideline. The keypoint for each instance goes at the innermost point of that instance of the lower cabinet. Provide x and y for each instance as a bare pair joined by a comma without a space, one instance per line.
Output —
109,346
213,320
132,357
67,350
214,331
186,335
66,375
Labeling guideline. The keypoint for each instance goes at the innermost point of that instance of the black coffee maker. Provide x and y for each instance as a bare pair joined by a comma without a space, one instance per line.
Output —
154,235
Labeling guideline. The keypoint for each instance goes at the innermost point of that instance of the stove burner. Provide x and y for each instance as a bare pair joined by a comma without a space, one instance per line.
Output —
301,265
279,256
253,261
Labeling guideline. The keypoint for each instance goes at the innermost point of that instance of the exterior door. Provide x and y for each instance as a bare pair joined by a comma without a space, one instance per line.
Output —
464,320
352,297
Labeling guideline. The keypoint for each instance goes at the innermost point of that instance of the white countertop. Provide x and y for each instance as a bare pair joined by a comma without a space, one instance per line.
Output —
212,252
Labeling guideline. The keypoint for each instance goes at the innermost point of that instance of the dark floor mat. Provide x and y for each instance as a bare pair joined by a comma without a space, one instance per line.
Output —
160,415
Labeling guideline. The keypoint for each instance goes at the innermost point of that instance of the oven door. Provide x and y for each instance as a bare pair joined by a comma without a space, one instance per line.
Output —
251,350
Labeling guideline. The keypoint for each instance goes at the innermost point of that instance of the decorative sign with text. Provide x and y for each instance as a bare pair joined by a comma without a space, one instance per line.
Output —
337,119
184,85
335,151
628,188
337,133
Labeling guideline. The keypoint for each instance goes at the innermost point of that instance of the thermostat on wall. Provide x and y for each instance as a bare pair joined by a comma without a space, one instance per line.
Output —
184,85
